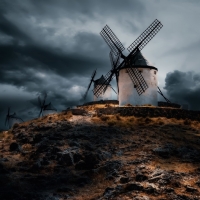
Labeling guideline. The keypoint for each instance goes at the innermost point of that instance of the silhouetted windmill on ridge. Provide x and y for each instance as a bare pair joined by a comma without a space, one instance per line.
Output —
43,106
11,117
136,79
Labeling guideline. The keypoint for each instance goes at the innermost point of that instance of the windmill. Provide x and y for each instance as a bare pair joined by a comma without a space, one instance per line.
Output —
127,71
43,106
11,119
105,94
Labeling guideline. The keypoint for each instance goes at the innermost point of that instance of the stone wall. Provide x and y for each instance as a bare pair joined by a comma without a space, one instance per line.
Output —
151,112
166,104
101,102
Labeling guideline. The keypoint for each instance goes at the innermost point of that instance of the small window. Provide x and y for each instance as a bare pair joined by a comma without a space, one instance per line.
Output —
154,72
135,86
140,70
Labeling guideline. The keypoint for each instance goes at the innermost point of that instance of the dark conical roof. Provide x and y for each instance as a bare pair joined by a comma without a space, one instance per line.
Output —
140,60
100,80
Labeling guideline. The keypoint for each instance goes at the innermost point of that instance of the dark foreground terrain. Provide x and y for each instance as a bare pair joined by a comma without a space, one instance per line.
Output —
65,156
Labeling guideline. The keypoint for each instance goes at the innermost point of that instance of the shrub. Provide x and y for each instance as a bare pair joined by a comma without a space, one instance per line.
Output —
147,120
118,116
111,123
160,122
104,117
131,119
187,122
129,105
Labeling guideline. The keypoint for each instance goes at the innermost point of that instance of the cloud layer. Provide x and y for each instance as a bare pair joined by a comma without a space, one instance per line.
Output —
184,88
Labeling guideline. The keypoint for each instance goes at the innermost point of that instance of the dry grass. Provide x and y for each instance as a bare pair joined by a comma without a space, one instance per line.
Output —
96,106
130,121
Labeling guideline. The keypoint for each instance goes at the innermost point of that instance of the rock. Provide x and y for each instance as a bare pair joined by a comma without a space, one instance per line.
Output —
41,147
109,192
73,144
14,146
190,189
69,157
89,147
141,177
133,186
141,198
36,166
78,112
151,189
188,153
77,157
124,180
4,160
91,160
166,151
104,155
65,158
37,138
81,181
45,161
80,165
168,190
119,153
198,183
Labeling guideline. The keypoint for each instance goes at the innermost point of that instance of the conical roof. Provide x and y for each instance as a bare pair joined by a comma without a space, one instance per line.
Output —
100,80
139,59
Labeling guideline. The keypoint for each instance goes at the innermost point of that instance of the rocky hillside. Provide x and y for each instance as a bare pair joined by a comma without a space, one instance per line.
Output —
82,157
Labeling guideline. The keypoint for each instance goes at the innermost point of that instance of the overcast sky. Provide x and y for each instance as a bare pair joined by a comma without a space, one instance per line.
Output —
55,45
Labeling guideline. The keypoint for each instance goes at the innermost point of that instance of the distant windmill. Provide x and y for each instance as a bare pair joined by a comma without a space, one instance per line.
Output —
105,94
137,83
11,118
43,106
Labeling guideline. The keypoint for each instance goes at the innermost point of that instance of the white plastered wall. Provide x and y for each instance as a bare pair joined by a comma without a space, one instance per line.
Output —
129,95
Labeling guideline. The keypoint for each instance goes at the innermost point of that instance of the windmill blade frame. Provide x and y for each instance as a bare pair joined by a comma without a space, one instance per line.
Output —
51,107
115,60
160,92
14,116
146,36
92,80
111,39
39,101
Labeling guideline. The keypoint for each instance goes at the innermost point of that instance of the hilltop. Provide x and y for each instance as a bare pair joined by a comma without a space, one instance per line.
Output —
81,155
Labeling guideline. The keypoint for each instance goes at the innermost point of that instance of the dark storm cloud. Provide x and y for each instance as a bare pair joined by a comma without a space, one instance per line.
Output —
184,87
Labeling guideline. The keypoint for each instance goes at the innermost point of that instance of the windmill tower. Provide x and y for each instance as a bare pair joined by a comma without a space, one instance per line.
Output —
104,95
11,119
137,80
